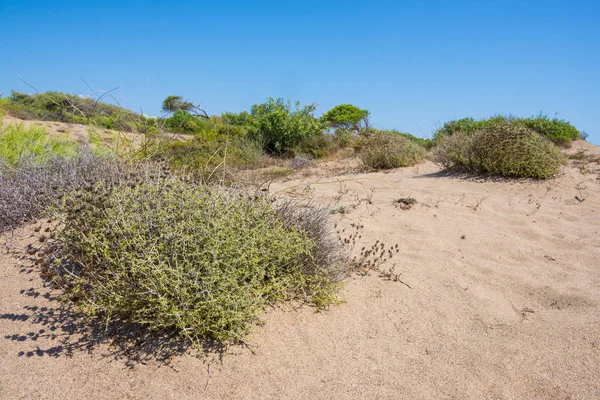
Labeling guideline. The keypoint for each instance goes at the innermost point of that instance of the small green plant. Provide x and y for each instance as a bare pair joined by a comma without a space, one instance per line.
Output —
504,149
167,255
385,151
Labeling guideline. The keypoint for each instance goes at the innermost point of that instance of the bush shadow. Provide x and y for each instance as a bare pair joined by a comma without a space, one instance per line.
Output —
67,331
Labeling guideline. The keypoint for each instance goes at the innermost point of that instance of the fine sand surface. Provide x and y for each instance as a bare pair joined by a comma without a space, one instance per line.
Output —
499,299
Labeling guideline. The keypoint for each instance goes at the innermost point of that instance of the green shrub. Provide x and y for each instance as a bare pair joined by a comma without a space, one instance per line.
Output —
197,154
19,144
195,260
557,130
317,146
467,126
427,143
280,127
504,149
384,151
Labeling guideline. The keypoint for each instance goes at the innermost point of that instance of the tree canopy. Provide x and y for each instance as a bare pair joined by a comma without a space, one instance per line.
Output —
346,116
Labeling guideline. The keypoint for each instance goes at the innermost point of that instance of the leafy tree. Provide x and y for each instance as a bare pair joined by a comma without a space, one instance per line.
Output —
347,116
175,103
281,126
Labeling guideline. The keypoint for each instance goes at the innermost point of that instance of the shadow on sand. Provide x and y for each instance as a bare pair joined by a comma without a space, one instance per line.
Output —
70,331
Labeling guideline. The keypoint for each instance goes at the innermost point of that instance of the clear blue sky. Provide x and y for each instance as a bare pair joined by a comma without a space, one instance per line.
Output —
413,64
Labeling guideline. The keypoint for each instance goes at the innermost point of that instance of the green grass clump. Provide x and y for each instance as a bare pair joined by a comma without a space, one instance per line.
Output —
19,144
504,149
191,259
385,151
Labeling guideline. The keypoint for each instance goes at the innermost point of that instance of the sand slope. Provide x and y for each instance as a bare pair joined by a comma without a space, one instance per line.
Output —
504,303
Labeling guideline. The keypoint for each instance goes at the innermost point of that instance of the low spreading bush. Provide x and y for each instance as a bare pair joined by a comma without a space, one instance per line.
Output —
503,149
384,151
196,260
558,131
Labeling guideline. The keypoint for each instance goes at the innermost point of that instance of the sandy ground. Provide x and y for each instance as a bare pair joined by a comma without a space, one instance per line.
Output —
502,301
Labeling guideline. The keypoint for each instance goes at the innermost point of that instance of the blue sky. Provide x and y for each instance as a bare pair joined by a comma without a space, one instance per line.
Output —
414,65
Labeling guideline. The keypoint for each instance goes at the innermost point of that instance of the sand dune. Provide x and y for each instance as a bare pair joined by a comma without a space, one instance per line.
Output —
502,301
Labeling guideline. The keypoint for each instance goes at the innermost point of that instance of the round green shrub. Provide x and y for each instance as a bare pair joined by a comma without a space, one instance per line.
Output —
385,151
196,260
504,149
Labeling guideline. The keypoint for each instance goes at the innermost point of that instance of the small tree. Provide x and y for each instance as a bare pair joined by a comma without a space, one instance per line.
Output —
347,117
177,103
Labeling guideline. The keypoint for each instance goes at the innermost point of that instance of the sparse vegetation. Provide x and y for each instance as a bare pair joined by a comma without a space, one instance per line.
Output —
63,107
151,240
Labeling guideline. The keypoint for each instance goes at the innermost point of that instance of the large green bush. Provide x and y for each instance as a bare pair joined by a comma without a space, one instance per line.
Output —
195,260
504,149
558,131
384,151
280,127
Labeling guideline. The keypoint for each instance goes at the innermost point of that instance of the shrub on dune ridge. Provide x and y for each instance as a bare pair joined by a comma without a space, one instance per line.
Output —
503,149
385,151
168,256
557,130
